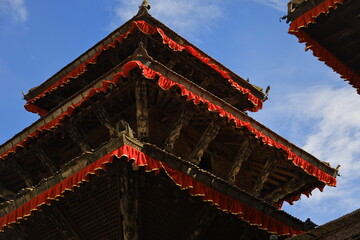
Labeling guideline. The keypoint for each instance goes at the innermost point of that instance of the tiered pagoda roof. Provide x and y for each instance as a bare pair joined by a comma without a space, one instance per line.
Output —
146,100
331,29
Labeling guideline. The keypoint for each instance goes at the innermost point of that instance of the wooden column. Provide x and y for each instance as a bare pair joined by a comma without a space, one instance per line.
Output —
142,114
105,119
46,160
264,175
129,202
181,120
78,137
241,156
210,133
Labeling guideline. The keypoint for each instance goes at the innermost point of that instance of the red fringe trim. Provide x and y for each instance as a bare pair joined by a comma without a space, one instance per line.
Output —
149,30
318,50
166,83
208,194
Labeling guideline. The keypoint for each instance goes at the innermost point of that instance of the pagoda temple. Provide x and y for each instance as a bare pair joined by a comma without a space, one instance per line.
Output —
144,136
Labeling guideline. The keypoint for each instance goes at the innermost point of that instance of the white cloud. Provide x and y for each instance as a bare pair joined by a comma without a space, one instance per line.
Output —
280,5
182,15
331,118
15,9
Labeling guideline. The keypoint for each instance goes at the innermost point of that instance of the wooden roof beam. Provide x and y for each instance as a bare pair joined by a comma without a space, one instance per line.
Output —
207,137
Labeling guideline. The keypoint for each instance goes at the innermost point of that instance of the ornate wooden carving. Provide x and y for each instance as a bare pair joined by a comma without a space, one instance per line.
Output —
210,133
21,173
182,119
46,160
78,137
241,156
129,203
105,119
63,224
291,186
142,115
6,193
265,173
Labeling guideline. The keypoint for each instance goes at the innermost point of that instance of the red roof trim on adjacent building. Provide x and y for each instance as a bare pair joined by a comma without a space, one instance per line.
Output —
318,50
149,30
195,188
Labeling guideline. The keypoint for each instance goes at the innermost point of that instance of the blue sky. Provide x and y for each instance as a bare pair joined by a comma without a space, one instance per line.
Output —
309,104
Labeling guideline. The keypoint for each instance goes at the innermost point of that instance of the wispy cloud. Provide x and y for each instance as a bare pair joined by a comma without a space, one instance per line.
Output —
280,5
182,15
15,9
331,118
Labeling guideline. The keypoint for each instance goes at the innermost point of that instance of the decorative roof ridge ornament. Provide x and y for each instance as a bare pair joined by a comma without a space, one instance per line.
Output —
146,4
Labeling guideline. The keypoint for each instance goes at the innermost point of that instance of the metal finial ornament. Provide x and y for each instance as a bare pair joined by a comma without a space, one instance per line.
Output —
146,4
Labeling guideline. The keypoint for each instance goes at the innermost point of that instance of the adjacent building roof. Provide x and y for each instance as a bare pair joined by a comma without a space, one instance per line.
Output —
331,29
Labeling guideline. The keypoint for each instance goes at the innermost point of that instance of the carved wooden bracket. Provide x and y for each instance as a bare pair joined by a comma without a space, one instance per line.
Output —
265,173
79,138
46,160
210,133
181,120
21,173
105,119
241,156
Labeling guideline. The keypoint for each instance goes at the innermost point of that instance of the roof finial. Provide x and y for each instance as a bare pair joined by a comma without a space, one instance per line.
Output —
146,4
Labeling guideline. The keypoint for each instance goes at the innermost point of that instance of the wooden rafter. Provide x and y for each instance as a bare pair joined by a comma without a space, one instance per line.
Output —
241,156
181,120
209,134
265,173
142,114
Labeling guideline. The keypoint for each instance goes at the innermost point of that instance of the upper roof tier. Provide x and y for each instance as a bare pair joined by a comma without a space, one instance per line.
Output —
162,43
331,29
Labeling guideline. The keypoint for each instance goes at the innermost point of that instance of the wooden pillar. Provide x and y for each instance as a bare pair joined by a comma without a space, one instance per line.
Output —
181,120
46,160
129,202
241,156
269,167
210,133
142,114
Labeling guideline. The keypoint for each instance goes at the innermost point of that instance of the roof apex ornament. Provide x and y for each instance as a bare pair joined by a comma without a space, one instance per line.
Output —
146,4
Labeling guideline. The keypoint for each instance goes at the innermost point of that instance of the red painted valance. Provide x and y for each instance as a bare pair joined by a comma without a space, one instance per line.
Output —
185,182
296,28
149,30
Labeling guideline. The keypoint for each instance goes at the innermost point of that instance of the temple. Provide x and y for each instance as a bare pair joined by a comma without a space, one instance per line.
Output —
331,29
144,136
